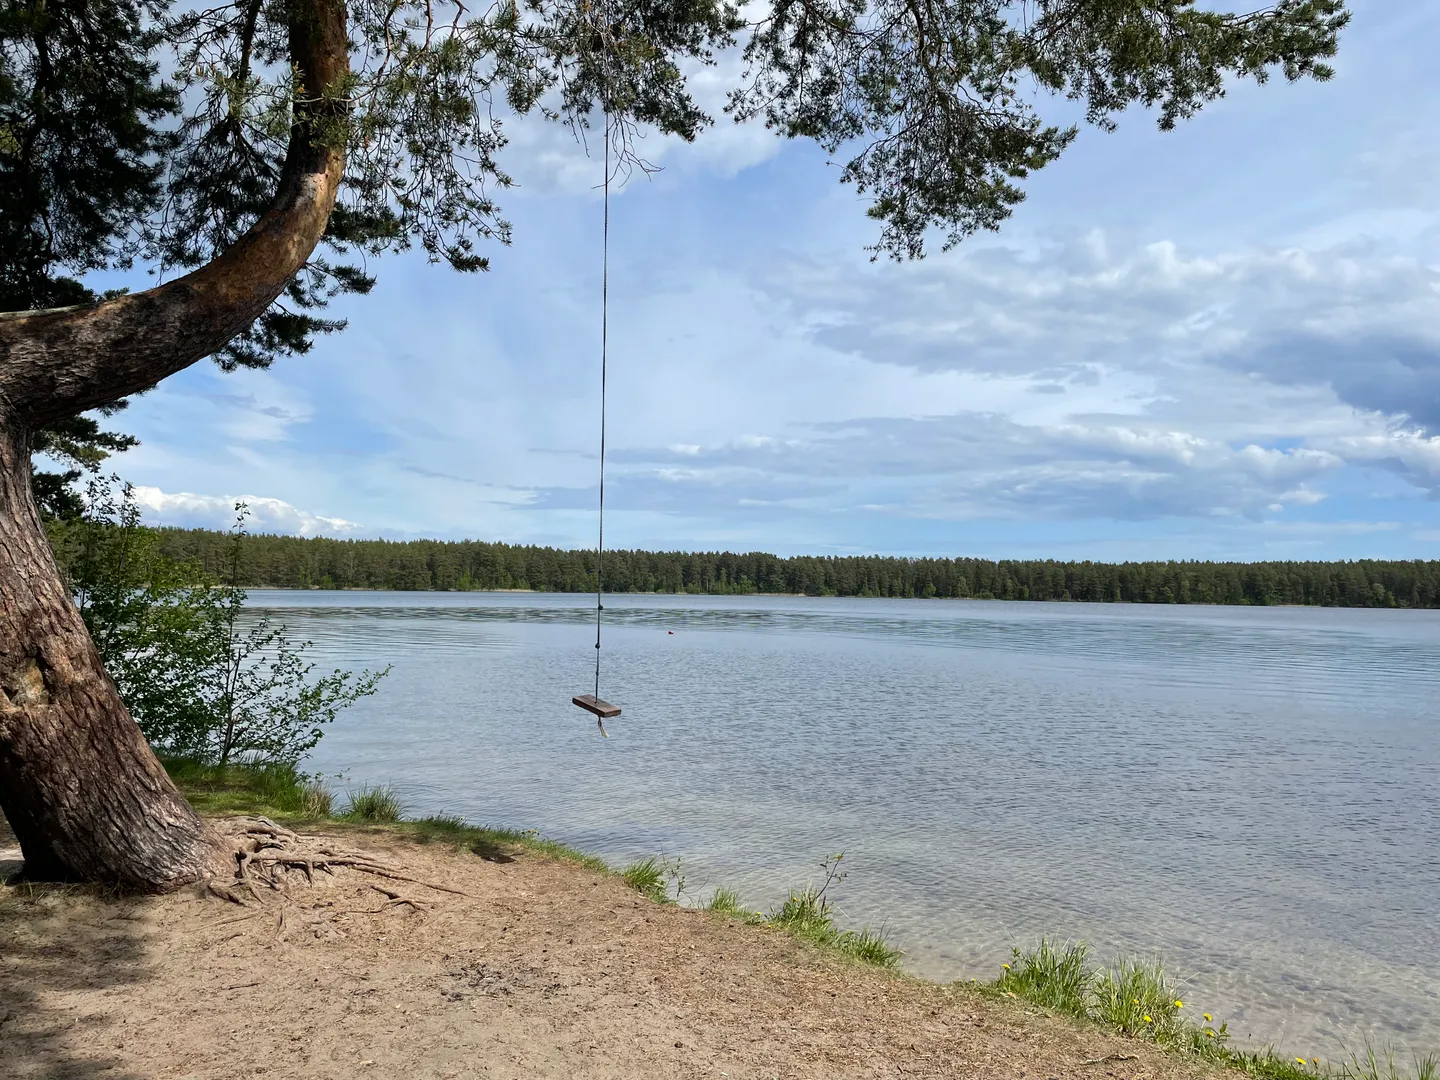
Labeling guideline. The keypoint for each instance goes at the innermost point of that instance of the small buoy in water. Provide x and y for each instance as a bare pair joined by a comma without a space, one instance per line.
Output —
669,631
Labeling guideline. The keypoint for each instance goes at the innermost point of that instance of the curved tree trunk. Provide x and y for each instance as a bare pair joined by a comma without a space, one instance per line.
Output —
78,783
82,790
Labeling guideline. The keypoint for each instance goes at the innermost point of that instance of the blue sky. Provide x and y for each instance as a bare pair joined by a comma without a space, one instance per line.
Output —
1220,342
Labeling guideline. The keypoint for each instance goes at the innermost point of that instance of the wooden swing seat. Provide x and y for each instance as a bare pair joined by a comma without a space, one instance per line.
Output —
591,703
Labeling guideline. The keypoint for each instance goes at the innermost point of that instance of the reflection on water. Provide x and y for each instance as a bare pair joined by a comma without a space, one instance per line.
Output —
1250,793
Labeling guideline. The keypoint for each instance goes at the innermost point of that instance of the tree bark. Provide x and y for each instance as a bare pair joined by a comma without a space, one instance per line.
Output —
81,789
85,795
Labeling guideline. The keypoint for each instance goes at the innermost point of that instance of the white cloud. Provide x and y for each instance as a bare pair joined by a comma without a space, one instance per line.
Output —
972,465
216,512
1357,318
1412,453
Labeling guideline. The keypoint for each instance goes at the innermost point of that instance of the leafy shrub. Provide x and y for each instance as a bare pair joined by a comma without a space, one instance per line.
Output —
205,679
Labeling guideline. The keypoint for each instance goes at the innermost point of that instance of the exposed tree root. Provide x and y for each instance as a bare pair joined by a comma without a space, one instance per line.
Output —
396,898
268,854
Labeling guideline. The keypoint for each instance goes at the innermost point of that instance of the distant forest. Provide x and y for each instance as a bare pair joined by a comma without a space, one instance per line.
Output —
289,562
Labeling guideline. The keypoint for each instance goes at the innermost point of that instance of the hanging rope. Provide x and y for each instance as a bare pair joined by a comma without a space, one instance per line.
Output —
604,360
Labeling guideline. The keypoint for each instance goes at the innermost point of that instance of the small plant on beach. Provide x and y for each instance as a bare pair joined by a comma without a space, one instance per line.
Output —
808,914
655,878
373,804
1137,999
446,825
726,902
316,799
869,947
1134,997
492,844
1373,1065
1058,978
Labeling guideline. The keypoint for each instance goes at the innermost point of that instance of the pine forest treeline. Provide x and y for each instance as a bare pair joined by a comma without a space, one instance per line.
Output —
294,562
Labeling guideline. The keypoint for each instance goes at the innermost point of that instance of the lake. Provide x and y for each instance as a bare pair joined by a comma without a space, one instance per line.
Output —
1252,794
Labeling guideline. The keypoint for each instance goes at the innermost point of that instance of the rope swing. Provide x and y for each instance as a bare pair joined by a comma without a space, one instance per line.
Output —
593,702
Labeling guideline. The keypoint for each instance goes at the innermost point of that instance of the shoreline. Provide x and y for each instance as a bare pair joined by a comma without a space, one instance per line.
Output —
773,971
1061,982
461,964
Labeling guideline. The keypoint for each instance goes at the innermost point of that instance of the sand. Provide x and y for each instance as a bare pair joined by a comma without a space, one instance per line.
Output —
542,969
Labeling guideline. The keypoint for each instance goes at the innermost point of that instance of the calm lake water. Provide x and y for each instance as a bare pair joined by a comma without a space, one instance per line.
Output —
1251,794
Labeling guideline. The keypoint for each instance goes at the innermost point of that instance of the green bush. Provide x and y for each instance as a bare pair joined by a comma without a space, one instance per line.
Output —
205,679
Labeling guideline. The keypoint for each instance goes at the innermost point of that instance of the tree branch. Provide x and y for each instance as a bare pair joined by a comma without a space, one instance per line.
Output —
59,362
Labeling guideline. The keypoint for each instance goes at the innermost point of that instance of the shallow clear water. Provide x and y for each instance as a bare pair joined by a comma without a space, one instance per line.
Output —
1252,794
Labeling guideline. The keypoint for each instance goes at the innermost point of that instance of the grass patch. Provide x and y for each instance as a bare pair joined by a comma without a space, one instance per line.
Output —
272,790
495,845
807,915
654,878
1374,1066
316,800
283,792
1057,978
374,805
726,902
1137,999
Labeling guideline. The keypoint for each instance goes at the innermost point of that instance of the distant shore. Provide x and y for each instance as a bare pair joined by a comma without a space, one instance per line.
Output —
291,562
778,595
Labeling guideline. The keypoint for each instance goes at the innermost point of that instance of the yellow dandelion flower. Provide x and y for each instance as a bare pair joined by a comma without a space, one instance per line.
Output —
1134,1001
1005,966
1208,1017
1300,1060
1209,1033
1315,1060
1179,1004
1147,1019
